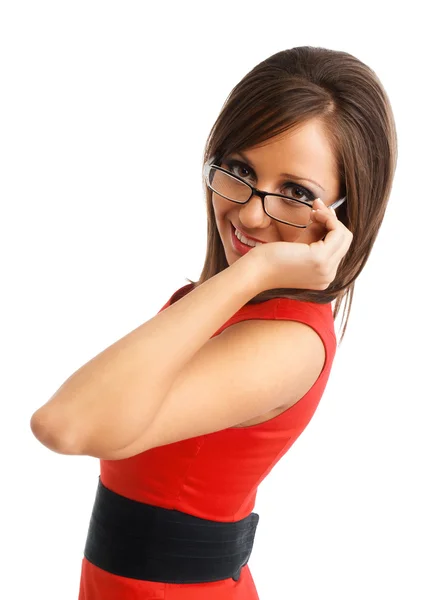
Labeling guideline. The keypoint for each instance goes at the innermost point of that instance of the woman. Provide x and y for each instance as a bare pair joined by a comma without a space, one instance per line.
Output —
189,412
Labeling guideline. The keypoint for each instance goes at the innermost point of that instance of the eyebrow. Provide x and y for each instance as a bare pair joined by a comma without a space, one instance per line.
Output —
289,175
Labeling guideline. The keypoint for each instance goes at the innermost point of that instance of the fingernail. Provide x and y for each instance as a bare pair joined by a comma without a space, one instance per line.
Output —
321,201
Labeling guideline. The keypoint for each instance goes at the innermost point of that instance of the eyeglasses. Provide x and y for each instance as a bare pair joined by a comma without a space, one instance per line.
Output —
284,209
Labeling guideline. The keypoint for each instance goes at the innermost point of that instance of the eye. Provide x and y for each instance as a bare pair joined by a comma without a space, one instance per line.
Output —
239,169
289,188
298,192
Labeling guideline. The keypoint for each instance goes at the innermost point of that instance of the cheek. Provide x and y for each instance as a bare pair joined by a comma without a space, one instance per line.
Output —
220,206
289,234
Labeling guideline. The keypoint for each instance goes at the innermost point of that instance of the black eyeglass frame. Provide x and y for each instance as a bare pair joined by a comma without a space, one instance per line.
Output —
256,192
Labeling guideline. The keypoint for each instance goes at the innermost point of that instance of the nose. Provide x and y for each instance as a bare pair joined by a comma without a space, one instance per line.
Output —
253,215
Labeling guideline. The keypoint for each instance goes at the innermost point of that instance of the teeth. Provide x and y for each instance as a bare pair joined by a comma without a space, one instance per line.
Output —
245,240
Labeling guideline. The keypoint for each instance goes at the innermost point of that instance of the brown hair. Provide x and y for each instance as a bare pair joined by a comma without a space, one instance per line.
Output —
286,90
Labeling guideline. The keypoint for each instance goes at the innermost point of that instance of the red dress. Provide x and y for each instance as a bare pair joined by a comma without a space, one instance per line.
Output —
213,476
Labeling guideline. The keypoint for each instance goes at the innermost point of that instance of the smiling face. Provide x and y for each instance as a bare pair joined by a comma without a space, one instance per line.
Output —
303,153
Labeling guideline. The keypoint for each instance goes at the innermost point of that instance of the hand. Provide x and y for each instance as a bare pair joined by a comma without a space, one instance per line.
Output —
309,263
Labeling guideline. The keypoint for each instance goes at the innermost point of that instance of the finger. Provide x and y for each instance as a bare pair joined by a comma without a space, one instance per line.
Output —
338,238
314,231
335,236
326,218
318,204
338,243
316,228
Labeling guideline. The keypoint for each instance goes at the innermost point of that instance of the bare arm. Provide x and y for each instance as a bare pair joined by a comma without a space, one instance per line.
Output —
116,395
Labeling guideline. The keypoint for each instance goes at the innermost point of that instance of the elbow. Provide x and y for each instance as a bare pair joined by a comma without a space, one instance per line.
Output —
52,435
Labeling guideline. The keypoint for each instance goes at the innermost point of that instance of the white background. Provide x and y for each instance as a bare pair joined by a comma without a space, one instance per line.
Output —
103,106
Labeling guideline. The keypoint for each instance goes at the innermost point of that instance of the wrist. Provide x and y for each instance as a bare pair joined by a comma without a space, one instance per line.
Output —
250,268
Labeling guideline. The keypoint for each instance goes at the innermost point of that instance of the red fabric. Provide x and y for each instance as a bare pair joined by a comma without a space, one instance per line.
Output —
213,476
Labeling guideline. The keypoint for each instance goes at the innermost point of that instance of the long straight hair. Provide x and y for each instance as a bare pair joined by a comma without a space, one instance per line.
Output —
285,91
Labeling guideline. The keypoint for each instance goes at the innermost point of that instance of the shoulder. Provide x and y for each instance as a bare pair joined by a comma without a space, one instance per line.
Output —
281,338
302,318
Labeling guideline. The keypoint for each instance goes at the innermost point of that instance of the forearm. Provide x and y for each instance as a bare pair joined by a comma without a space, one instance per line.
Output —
113,398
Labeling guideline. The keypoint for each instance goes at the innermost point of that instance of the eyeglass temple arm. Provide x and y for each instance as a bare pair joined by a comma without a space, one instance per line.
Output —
337,203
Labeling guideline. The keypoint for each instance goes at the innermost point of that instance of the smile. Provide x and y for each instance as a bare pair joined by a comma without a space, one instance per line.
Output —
246,239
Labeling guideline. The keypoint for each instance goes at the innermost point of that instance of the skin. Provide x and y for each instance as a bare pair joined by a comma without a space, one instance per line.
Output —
304,152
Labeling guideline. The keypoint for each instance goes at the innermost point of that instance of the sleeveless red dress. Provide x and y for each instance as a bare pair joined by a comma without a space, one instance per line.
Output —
213,476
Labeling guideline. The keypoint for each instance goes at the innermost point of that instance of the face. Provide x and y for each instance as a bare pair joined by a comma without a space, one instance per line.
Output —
306,155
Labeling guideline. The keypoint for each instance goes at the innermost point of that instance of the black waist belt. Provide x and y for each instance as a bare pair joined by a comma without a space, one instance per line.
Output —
142,541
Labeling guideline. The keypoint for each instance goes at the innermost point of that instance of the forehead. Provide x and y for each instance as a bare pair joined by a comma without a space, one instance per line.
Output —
304,151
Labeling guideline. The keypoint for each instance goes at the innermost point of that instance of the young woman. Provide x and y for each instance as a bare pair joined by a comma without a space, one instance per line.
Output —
189,412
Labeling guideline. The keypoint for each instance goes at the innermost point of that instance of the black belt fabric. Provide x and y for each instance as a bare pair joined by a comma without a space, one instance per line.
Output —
142,541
